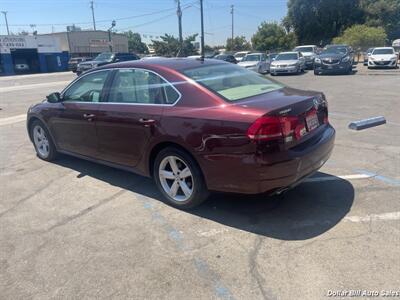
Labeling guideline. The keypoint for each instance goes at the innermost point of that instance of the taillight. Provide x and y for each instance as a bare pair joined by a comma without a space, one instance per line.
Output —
269,128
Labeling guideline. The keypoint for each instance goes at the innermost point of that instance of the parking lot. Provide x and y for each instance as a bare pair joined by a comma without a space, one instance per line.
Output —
74,229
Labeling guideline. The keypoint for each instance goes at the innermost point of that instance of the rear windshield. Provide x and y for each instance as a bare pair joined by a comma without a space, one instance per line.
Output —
232,82
334,51
252,57
287,56
104,57
383,51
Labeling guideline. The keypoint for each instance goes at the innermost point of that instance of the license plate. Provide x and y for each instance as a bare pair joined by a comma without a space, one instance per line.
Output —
329,67
312,121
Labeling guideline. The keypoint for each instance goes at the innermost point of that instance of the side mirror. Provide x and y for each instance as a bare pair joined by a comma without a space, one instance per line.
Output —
54,97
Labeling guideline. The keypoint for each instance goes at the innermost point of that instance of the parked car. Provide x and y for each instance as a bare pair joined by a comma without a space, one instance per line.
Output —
104,59
288,62
21,66
256,62
334,59
226,57
309,52
383,57
74,61
366,54
194,126
240,55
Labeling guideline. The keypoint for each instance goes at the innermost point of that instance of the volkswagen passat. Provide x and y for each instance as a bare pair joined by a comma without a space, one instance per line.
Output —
194,126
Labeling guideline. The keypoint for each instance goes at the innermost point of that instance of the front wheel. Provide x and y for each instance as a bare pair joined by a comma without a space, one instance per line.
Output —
42,141
179,178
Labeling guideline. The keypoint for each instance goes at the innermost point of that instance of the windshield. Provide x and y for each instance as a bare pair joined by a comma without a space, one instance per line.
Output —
334,51
304,49
287,56
383,51
239,55
232,82
252,57
104,57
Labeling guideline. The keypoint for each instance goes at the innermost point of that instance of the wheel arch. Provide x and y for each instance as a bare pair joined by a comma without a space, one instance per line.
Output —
162,145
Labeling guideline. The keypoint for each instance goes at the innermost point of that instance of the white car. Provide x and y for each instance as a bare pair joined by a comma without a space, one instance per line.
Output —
309,52
256,62
289,63
383,57
240,55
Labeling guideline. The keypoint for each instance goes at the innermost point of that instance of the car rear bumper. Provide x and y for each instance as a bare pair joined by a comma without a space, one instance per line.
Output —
269,172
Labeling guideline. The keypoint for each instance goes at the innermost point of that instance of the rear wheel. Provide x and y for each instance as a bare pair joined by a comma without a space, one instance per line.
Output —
42,141
179,178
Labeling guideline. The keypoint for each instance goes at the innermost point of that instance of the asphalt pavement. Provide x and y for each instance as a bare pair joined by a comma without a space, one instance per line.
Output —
73,229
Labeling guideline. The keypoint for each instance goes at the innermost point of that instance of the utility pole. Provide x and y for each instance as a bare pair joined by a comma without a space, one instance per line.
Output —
232,7
94,21
179,14
202,30
5,17
109,34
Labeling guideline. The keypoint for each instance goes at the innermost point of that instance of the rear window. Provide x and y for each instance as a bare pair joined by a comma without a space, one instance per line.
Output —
304,49
232,82
287,56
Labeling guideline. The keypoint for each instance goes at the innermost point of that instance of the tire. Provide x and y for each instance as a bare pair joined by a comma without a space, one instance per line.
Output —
42,141
182,191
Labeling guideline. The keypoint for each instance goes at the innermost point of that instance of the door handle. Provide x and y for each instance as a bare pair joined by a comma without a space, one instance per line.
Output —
147,122
88,116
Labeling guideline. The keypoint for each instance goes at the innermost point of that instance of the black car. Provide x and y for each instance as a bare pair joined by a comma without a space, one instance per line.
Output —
104,59
334,59
74,61
226,57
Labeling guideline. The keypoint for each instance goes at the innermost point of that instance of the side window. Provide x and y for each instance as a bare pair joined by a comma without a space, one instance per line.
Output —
141,87
87,89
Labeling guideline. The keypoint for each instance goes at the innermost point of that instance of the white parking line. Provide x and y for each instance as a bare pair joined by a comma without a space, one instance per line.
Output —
32,86
331,178
12,120
392,216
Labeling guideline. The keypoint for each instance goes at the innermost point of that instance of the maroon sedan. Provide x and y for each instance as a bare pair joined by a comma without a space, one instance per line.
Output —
194,126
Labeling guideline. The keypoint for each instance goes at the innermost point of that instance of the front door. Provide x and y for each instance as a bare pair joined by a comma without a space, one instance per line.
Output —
74,123
131,115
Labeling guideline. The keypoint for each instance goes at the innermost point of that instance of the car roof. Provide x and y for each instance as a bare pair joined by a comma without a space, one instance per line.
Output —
179,64
254,53
289,52
301,46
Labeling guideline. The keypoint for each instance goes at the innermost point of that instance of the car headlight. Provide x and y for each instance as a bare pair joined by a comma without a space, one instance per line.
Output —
346,59
394,58
317,60
371,58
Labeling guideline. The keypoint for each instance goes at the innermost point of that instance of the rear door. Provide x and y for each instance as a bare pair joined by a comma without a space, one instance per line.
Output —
131,115
73,123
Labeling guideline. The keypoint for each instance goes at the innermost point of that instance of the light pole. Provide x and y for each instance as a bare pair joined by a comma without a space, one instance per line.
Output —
109,34
232,7
179,14
202,30
5,17
94,21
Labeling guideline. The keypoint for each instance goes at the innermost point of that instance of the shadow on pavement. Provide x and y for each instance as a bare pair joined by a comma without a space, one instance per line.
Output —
302,213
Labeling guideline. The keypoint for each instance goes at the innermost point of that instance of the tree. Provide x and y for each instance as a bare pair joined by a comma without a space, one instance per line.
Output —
272,36
239,44
170,46
135,43
318,21
362,36
385,13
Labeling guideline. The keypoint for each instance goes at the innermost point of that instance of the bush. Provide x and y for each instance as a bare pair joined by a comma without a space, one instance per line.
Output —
362,36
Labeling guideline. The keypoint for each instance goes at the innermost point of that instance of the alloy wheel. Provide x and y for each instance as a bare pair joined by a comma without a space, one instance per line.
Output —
41,141
176,178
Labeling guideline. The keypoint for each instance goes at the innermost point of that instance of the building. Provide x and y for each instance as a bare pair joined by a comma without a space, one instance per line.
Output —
89,42
31,54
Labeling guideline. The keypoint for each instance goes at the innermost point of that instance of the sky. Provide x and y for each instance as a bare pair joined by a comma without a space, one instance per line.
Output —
150,18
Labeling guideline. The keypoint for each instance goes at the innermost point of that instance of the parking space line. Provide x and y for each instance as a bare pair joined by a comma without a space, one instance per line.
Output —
330,178
391,216
33,86
12,120
391,181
